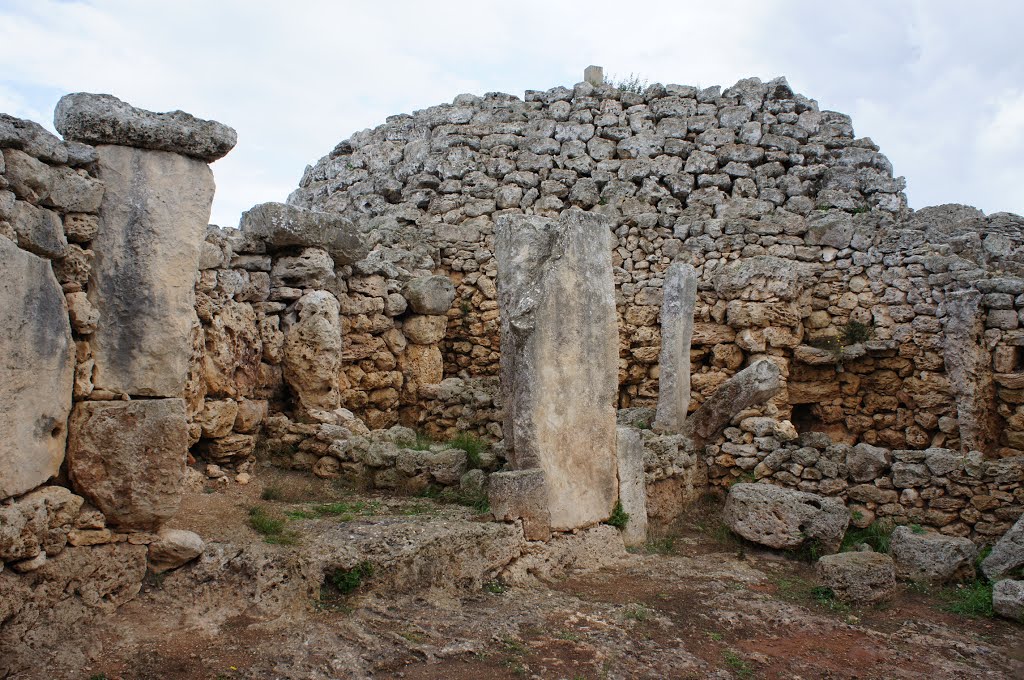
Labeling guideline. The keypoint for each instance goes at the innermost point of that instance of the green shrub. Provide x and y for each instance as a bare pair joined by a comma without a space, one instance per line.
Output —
472,445
878,534
347,581
855,331
631,83
271,528
619,518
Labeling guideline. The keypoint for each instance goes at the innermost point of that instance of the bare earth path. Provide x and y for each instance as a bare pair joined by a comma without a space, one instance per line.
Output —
696,608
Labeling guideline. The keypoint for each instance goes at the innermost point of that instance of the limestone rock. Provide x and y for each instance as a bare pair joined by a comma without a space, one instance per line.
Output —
281,226
37,372
25,523
758,278
173,548
233,349
676,335
251,414
128,458
752,386
785,519
231,448
32,138
1008,599
39,230
217,417
629,454
105,119
522,495
312,353
932,556
866,462
430,294
858,577
425,330
312,268
1007,554
154,215
559,358
969,368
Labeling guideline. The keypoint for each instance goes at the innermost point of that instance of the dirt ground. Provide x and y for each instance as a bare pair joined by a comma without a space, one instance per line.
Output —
695,605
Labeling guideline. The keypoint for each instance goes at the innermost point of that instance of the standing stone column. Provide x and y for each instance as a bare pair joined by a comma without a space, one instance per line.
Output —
969,367
129,460
676,333
559,358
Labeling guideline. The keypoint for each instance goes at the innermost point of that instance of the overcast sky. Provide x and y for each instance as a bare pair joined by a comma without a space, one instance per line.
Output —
939,85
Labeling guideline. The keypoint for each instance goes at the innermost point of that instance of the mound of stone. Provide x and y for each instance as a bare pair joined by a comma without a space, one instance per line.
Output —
785,519
931,556
858,577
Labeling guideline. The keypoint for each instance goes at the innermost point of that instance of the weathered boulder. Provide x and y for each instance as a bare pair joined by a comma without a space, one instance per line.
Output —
39,230
676,334
233,350
128,458
1007,554
559,358
217,417
430,294
968,366
281,226
754,385
37,372
32,138
31,523
866,462
931,556
312,352
785,519
858,577
311,268
173,548
425,330
629,454
153,221
105,119
758,278
521,495
1008,599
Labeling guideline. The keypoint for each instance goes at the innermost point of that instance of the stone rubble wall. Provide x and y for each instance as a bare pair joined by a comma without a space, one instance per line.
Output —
796,228
958,494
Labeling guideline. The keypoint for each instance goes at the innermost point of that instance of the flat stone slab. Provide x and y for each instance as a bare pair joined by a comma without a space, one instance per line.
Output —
153,221
785,518
281,226
105,119
37,366
128,458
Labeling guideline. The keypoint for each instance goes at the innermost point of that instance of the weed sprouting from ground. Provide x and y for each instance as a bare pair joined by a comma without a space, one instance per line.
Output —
272,493
472,445
619,517
878,535
855,331
631,83
271,528
738,664
637,612
346,581
968,599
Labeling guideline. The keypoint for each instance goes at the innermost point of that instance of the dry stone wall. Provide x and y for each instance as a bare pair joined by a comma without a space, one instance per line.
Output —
800,235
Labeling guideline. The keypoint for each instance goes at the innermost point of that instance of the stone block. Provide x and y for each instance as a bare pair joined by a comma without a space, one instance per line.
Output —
283,226
785,519
676,335
521,495
629,453
858,577
931,556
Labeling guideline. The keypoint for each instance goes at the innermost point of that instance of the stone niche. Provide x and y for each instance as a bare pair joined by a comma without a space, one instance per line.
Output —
39,365
559,358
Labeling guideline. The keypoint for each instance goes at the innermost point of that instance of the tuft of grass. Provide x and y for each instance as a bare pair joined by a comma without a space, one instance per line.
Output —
972,599
271,528
272,492
824,596
567,635
637,612
855,331
472,445
878,535
717,637
495,587
619,517
738,664
347,581
423,442
631,83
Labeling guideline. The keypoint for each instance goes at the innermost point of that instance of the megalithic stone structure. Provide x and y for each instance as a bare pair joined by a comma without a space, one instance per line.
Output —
680,297
559,358
755,384
969,368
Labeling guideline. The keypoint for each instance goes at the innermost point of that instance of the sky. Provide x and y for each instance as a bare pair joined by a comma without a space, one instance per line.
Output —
939,85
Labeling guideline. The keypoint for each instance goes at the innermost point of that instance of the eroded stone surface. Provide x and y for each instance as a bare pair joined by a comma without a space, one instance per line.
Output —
559,358
754,385
37,373
1007,554
153,220
931,556
858,577
785,519
312,353
674,360
281,225
128,458
629,453
105,119
173,548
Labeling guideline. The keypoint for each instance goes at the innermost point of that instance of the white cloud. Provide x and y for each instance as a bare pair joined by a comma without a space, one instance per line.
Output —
921,78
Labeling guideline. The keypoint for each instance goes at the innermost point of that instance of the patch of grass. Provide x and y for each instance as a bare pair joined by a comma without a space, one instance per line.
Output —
656,546
423,442
824,596
861,209
972,599
477,500
413,636
347,581
717,637
272,492
637,612
738,664
567,635
472,445
271,528
878,535
619,517
631,83
855,331
495,587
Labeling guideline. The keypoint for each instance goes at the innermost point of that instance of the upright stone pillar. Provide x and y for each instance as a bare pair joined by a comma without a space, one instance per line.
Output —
559,358
632,485
676,333
129,459
969,368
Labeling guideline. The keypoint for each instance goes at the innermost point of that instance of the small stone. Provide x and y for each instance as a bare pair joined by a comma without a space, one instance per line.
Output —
521,494
243,478
173,548
1008,599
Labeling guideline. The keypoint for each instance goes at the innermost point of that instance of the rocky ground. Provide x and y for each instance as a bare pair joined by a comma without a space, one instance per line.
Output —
694,606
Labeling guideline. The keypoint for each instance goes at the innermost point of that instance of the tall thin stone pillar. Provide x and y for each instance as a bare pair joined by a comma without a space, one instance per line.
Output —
969,367
676,334
559,358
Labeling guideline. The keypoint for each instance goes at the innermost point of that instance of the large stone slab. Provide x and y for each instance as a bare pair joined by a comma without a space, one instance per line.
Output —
969,368
280,226
152,224
931,556
559,358
784,518
858,577
36,373
313,352
128,458
676,335
1007,554
632,485
105,119
754,385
